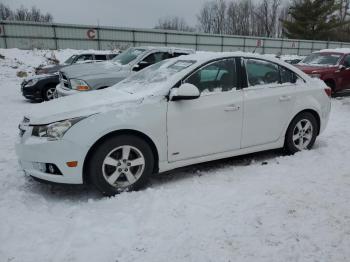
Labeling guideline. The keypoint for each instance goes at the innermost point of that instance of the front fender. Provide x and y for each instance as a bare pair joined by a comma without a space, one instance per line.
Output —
148,119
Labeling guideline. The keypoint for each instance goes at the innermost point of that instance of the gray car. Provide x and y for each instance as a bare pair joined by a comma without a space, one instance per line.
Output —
87,77
82,58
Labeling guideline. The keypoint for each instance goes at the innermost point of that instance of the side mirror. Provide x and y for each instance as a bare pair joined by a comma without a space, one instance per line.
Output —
184,92
342,67
141,65
136,67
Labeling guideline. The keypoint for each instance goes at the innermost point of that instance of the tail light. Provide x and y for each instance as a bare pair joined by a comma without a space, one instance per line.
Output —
328,91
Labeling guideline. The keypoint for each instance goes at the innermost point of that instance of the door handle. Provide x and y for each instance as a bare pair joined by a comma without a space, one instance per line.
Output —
285,98
232,108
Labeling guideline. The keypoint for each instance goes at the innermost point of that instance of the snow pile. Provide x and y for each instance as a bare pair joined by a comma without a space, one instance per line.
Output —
261,207
30,59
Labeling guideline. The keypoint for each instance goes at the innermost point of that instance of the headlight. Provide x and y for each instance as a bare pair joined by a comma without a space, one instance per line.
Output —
315,75
32,82
55,131
79,85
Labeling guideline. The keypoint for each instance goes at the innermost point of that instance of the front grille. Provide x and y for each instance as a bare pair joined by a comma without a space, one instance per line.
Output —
64,80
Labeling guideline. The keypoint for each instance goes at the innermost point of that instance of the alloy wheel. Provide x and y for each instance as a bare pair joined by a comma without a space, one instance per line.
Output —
123,166
50,93
302,134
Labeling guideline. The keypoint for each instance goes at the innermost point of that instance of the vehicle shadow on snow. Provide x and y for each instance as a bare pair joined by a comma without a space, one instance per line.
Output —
259,158
345,93
64,192
83,193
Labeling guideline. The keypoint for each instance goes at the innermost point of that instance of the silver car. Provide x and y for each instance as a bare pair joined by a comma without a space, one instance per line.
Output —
87,77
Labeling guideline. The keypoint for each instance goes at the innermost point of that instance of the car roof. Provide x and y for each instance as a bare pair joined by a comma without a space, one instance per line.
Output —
166,48
335,51
96,54
206,56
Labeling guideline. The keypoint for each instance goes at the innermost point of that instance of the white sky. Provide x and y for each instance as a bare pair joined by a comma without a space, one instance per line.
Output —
128,13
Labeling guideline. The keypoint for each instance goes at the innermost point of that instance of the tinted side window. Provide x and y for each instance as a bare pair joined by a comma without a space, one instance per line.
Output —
84,58
287,76
112,56
261,72
346,62
100,57
155,57
219,76
176,54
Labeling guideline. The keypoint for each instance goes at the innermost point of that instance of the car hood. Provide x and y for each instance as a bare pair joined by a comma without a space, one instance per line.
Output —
51,68
89,103
39,77
310,69
83,70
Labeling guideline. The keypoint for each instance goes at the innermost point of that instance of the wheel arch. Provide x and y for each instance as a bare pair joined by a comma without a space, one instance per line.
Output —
311,111
139,134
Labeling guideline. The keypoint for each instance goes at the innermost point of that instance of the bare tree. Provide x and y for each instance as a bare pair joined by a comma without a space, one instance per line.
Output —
267,14
5,12
173,23
219,17
205,18
24,14
238,18
212,17
344,6
242,17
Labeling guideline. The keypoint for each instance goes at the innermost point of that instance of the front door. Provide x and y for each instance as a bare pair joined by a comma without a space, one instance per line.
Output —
211,123
343,75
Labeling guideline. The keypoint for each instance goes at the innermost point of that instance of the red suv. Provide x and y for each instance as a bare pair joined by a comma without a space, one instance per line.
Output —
330,65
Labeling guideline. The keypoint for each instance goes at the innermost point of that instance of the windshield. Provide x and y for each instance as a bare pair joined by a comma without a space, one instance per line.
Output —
70,60
322,59
157,73
129,55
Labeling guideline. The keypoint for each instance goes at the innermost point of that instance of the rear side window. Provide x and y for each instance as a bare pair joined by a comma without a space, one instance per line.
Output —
261,72
100,57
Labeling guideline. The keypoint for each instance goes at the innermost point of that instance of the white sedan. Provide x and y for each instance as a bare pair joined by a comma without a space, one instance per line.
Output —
178,112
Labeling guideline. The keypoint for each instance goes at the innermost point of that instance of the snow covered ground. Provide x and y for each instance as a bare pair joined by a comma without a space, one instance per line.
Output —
261,207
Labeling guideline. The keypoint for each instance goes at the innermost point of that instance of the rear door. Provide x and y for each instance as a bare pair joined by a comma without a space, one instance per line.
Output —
268,101
344,74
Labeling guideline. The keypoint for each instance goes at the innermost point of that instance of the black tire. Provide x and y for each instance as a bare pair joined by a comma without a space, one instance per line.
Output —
290,145
45,91
97,170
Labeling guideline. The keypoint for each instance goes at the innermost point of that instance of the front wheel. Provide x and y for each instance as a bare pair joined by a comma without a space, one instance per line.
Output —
301,133
49,93
121,163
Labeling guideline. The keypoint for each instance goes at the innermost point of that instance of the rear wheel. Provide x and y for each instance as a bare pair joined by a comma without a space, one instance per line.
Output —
301,133
121,163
